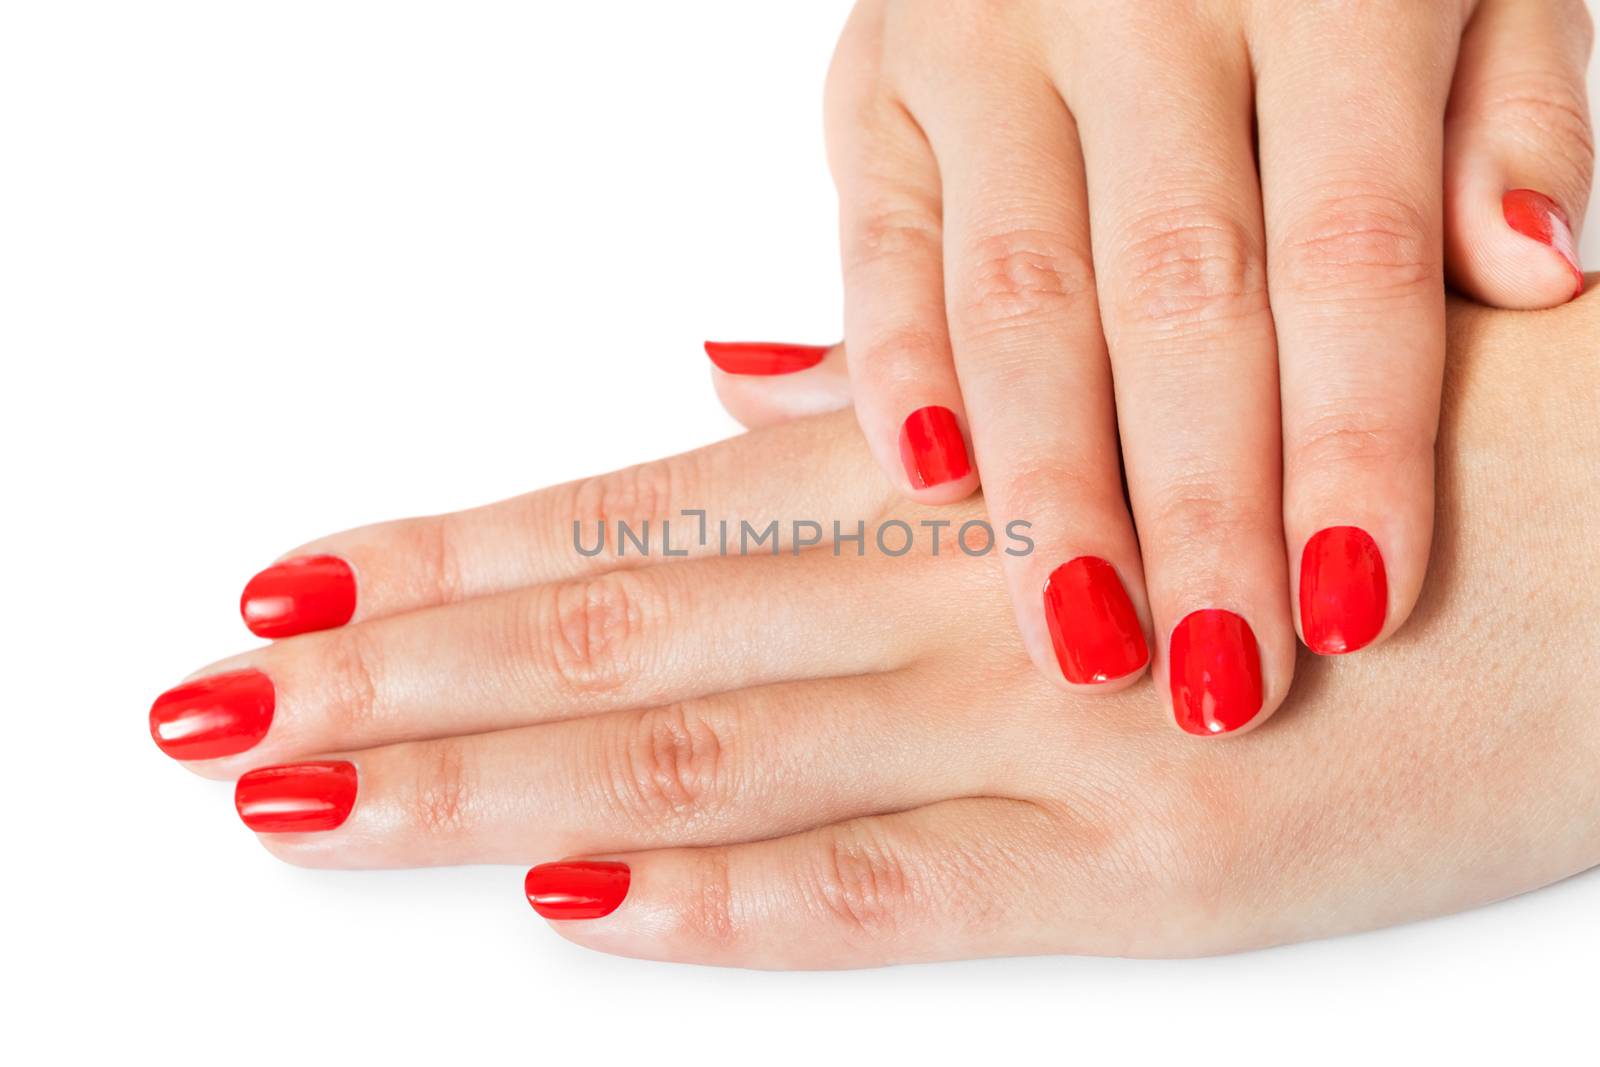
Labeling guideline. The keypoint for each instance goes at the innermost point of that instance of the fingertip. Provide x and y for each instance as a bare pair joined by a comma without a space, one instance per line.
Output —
1514,250
809,384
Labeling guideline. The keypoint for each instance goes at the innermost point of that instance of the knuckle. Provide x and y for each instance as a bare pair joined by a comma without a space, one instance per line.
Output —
1020,277
349,678
593,635
1356,437
889,234
856,880
433,548
1204,510
1192,267
635,495
1361,242
438,800
1056,487
1542,108
901,353
706,912
666,766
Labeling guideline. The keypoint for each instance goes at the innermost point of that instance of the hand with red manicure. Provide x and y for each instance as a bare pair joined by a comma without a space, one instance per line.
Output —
838,757
1207,243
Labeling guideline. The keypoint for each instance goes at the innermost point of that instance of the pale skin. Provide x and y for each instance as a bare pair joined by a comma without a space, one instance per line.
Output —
1204,244
811,761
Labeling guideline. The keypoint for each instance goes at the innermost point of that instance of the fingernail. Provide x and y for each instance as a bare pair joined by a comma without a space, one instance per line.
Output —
577,890
1344,590
1093,626
763,357
932,448
1216,672
222,715
298,596
297,797
1535,215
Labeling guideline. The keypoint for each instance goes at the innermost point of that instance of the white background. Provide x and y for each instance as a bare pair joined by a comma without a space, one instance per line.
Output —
270,270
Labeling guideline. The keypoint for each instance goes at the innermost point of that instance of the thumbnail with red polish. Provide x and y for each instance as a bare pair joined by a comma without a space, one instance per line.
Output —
297,797
763,357
298,596
1344,590
1536,216
221,715
1093,626
1216,672
577,890
932,448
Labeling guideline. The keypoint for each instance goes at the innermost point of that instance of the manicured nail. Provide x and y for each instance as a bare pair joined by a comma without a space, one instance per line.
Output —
763,357
298,596
296,797
577,890
1535,215
222,715
1216,672
932,448
1344,590
1093,626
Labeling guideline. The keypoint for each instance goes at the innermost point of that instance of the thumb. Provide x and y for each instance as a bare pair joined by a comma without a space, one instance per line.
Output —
1519,153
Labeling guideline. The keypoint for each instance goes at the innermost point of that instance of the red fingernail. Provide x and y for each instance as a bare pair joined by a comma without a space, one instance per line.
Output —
1344,590
932,448
1535,215
222,715
763,357
1216,672
298,596
1093,626
297,797
578,890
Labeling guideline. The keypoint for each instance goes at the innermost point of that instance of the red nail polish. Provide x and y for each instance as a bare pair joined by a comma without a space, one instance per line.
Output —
298,596
1093,626
1535,215
222,715
1216,672
763,357
932,448
576,890
1344,590
297,797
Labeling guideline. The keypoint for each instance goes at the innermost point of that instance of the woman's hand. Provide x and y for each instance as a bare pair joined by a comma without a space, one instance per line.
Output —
1255,205
840,759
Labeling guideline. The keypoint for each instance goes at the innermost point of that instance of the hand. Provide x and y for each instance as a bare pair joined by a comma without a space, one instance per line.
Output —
1014,178
818,761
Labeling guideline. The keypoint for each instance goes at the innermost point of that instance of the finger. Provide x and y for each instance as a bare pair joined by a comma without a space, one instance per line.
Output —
1178,253
724,769
619,640
1355,248
956,879
904,383
573,530
762,383
1034,371
1519,153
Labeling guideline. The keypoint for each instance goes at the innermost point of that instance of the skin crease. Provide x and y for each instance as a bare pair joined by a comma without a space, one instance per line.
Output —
1454,766
1204,245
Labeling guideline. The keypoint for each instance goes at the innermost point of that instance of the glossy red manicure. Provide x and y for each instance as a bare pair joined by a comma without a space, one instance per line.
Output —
577,890
298,596
297,797
1093,626
1344,590
222,715
932,448
1535,215
763,357
1216,672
